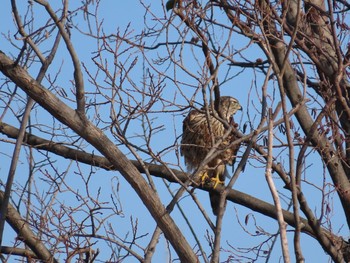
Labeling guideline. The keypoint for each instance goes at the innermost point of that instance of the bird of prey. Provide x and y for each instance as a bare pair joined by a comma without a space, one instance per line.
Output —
203,131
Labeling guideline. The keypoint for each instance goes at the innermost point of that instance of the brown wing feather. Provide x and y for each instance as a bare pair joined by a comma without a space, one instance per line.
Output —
230,156
197,141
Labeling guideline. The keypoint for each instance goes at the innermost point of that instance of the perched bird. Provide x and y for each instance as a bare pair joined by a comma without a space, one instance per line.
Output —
201,131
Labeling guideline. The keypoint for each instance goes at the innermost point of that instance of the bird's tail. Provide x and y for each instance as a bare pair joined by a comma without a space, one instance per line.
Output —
215,196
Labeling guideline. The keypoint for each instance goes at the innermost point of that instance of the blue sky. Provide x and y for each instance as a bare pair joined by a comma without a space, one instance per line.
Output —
129,15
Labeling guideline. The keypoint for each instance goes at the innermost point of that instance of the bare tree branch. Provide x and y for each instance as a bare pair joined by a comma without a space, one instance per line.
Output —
156,170
95,136
24,232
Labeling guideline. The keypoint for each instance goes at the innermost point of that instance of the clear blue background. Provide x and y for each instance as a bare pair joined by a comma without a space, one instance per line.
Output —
129,15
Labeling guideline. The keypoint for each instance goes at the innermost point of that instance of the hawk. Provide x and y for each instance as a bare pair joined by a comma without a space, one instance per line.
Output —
200,133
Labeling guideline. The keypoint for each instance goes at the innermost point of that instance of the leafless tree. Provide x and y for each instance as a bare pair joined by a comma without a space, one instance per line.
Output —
91,126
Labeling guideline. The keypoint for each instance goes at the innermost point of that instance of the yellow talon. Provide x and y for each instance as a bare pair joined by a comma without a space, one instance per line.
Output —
216,180
204,176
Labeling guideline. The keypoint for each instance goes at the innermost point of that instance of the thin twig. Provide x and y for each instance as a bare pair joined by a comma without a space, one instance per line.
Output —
282,224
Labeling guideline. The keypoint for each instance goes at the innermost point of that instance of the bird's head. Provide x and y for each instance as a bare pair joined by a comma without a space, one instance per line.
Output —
229,106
